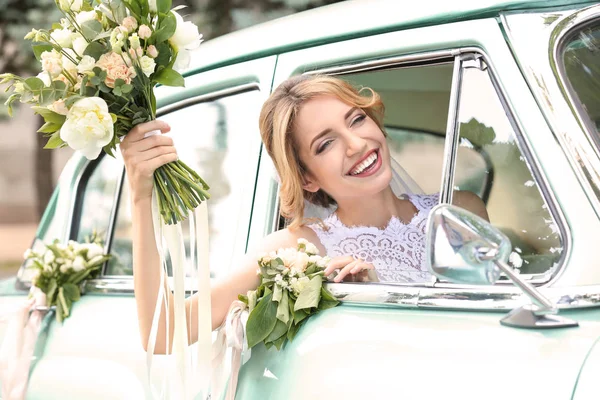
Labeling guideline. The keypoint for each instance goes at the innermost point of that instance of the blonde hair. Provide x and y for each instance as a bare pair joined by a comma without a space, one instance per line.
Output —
277,122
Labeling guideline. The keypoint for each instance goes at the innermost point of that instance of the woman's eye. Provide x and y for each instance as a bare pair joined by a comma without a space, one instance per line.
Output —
359,118
324,145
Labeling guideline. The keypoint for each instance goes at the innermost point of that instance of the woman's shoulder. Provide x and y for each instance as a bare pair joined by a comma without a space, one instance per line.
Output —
284,238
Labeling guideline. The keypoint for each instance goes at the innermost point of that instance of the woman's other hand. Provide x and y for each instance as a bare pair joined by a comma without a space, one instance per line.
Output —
143,155
350,269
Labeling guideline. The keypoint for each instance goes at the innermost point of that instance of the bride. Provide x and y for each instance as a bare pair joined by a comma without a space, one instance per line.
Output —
327,142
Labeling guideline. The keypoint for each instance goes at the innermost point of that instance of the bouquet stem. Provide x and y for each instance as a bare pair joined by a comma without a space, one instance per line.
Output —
180,189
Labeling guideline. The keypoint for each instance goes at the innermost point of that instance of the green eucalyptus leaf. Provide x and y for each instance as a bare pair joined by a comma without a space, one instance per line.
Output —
34,84
95,50
38,49
163,6
261,321
90,29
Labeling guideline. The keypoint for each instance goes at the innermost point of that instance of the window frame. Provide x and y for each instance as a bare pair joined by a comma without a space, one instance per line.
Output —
458,56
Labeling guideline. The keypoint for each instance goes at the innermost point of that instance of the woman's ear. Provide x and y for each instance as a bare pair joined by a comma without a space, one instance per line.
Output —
309,184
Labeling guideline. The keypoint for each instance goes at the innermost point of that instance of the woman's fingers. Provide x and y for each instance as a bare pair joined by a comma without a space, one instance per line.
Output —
337,263
346,270
139,131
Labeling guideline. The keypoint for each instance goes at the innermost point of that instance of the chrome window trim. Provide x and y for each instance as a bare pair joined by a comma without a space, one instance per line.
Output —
440,296
522,141
191,101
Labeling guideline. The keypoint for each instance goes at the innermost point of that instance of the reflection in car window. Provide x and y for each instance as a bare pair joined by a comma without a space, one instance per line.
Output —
513,199
220,140
98,198
581,58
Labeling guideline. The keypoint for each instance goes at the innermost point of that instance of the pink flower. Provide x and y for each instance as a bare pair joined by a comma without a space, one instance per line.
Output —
129,23
115,69
144,32
151,51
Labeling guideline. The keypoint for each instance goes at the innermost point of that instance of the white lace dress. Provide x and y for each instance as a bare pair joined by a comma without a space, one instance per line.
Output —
397,251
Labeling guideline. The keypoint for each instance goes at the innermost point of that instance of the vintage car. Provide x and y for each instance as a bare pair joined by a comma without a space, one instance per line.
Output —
498,97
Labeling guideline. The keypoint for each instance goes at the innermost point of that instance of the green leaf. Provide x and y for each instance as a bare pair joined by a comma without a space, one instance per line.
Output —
164,54
277,293
300,316
310,296
163,6
278,331
34,84
279,342
49,115
293,331
55,141
71,292
65,303
252,299
59,312
38,49
327,300
95,50
243,299
283,311
134,7
51,291
261,321
90,29
49,127
165,30
126,88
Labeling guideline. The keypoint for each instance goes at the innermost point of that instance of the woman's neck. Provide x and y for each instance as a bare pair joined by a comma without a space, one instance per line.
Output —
372,211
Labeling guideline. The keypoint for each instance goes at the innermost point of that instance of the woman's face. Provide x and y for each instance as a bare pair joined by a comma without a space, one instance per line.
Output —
344,150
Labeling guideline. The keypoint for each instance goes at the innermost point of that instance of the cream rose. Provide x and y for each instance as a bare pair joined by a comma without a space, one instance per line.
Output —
52,62
185,38
86,65
79,43
64,37
59,107
88,127
70,5
115,69
129,23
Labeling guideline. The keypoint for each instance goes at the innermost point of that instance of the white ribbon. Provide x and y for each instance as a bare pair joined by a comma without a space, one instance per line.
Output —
18,345
190,374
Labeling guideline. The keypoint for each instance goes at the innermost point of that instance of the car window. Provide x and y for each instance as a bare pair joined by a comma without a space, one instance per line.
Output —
581,60
220,140
512,196
96,197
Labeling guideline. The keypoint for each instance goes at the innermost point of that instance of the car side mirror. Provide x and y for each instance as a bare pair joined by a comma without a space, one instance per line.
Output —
462,247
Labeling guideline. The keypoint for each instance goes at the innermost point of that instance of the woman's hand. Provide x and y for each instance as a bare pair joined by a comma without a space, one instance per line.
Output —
350,269
143,155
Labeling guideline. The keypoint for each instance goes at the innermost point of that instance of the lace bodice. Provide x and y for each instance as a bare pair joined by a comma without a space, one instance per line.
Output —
397,251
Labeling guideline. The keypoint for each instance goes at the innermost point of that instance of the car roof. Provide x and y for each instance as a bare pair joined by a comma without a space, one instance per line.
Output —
349,19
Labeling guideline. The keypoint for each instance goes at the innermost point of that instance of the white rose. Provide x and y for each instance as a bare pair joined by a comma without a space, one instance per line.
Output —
86,64
48,257
28,254
85,16
65,23
93,250
65,267
88,127
69,65
79,264
147,65
72,5
44,77
52,62
63,37
79,43
185,38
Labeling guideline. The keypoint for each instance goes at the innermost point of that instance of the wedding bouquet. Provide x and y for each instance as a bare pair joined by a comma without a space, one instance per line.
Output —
60,269
100,65
291,290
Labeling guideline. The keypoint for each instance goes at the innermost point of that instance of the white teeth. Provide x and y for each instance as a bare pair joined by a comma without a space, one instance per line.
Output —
365,164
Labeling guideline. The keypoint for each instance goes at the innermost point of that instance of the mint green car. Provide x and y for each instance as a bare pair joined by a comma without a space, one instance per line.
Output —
499,97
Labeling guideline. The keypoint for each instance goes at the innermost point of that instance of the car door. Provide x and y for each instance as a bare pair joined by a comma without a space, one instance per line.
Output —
457,83
96,353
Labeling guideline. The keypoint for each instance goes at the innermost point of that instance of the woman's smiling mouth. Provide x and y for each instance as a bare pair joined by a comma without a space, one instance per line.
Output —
367,166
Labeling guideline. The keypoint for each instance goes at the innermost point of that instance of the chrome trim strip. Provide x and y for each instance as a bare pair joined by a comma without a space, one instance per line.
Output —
452,136
110,230
206,97
383,63
74,191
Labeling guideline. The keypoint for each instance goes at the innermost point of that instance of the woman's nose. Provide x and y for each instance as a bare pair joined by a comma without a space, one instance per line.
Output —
355,144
